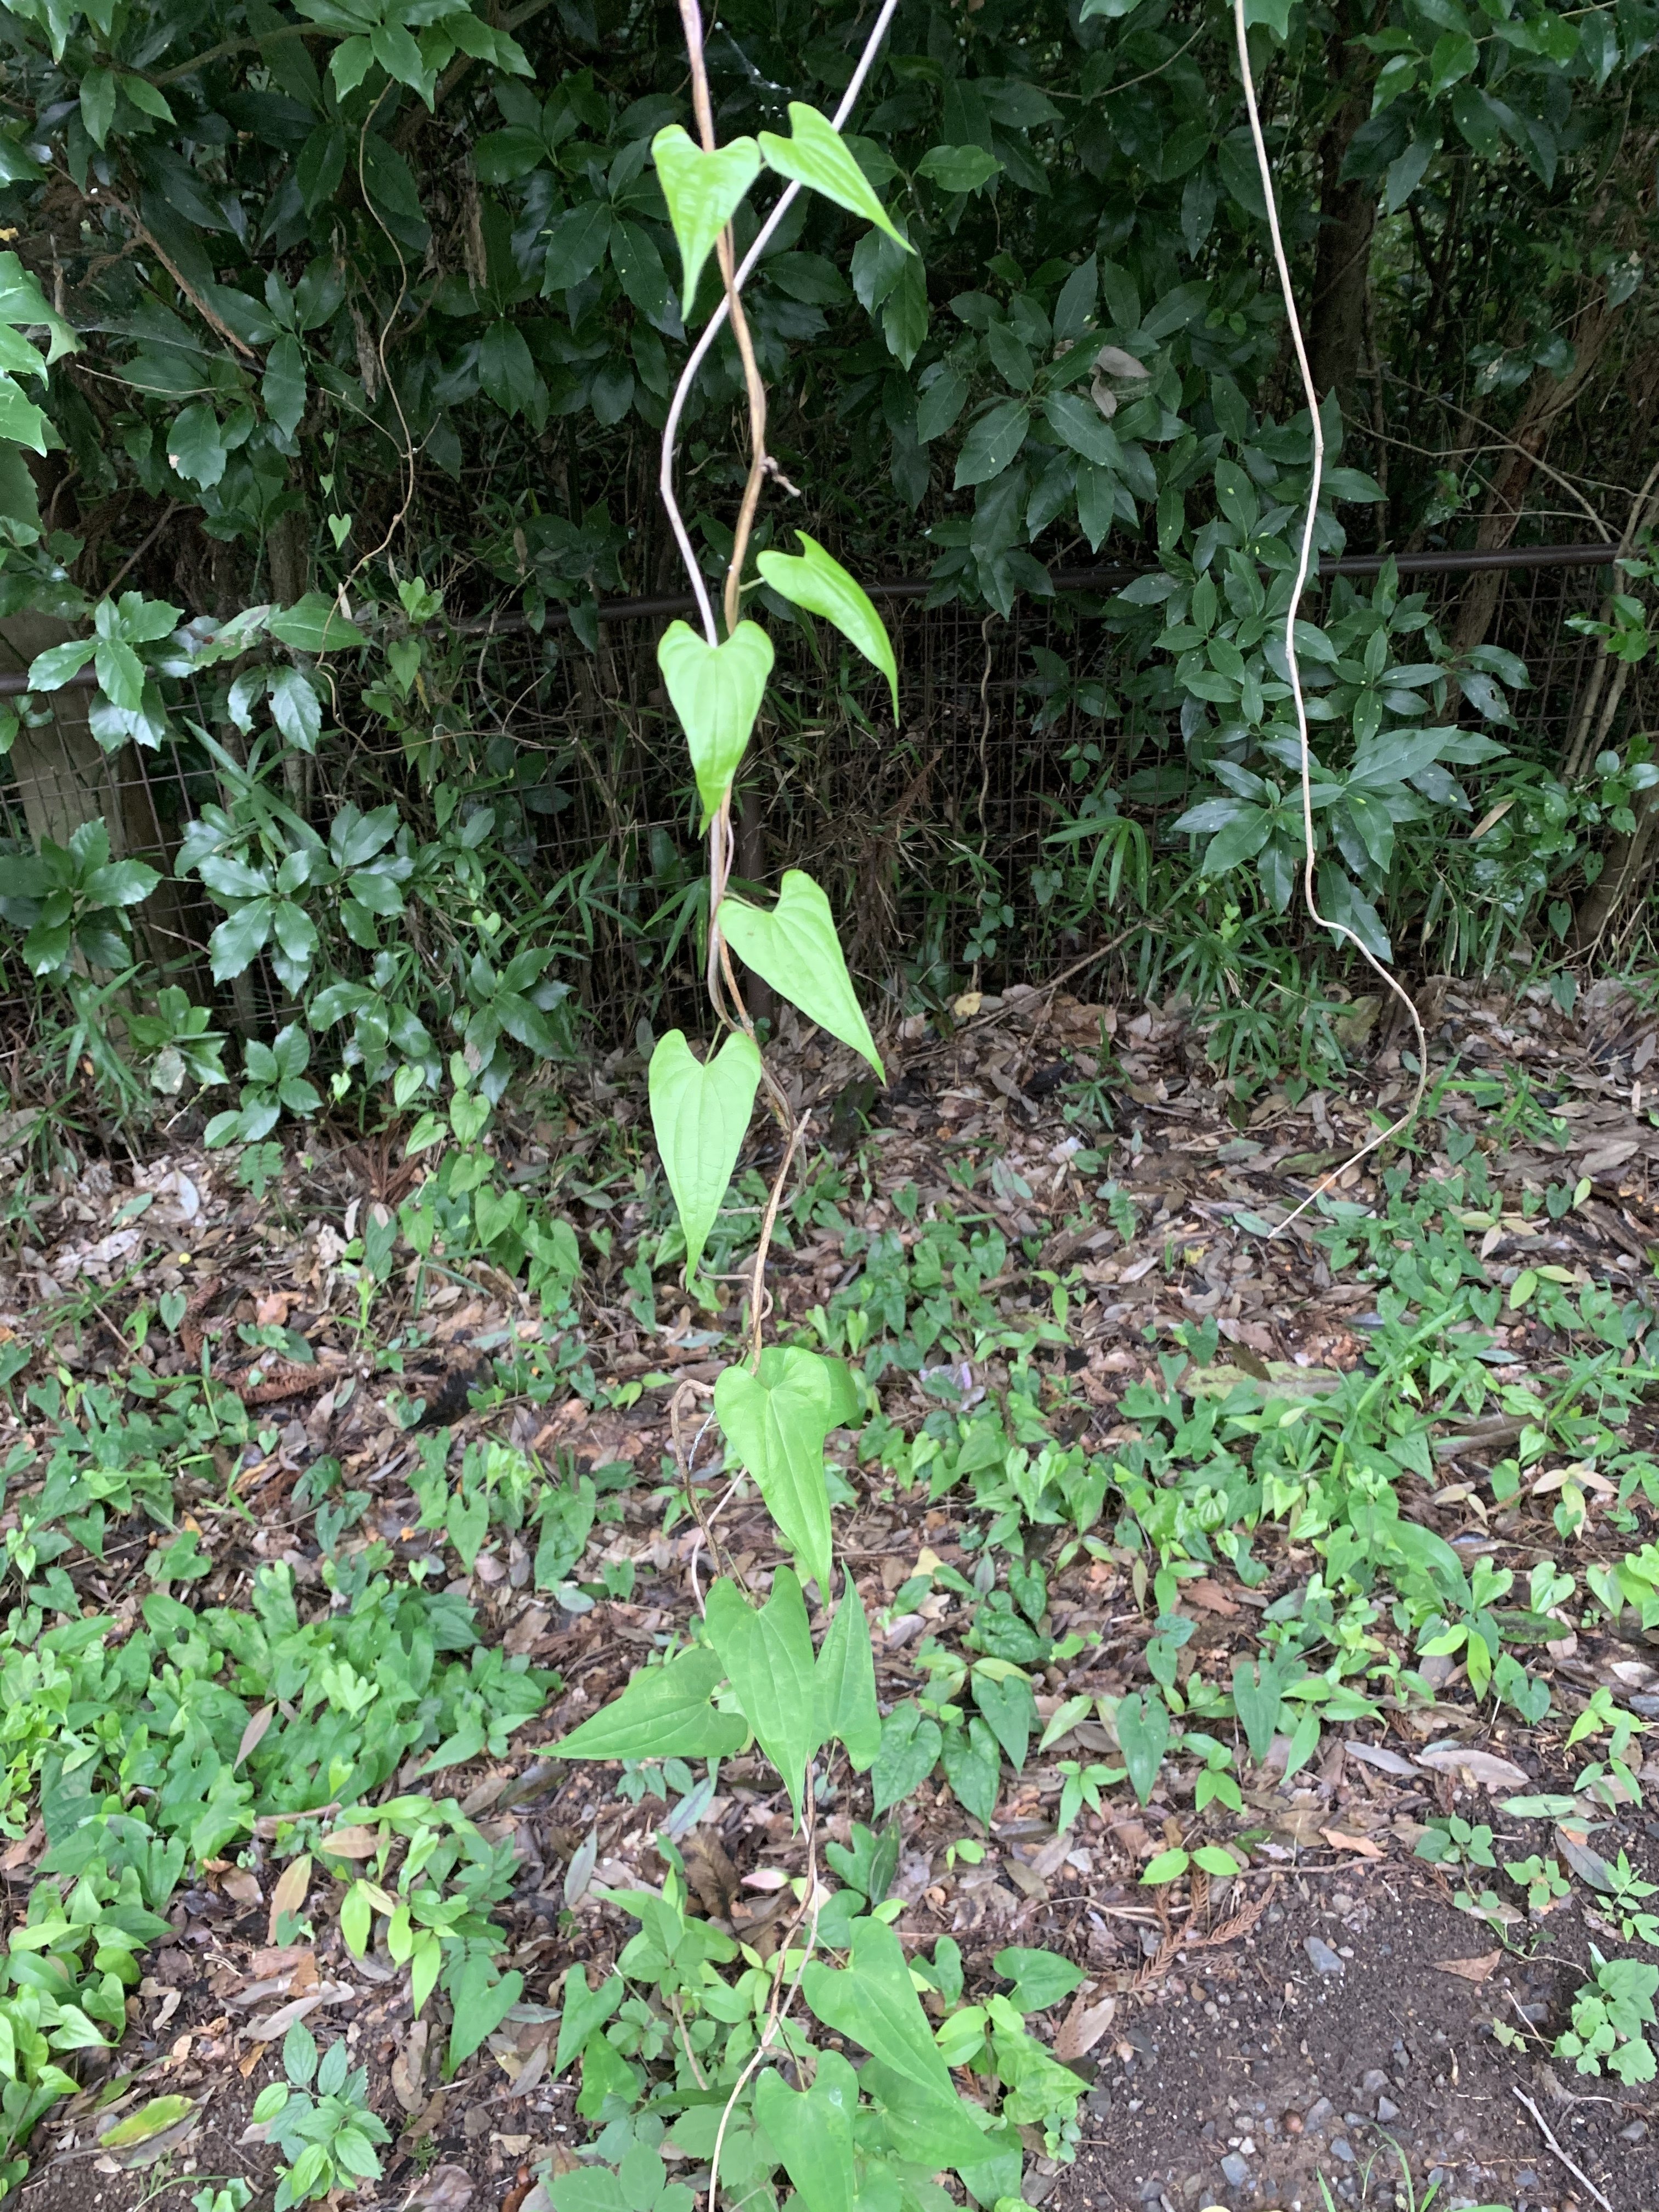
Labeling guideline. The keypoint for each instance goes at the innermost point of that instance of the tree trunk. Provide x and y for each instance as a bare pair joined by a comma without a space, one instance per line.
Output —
1549,398
1627,857
1347,219
65,778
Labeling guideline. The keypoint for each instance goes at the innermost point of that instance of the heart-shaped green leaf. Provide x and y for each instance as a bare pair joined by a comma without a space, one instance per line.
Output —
768,1653
815,154
703,193
846,1681
1010,1711
815,580
1143,1735
700,1111
873,2002
796,949
775,1422
811,2131
717,691
665,1712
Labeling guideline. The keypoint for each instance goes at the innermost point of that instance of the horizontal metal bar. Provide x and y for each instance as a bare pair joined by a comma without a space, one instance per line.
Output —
1440,564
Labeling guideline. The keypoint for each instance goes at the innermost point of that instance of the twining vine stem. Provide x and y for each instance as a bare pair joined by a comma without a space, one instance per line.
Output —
1303,563
731,305
722,984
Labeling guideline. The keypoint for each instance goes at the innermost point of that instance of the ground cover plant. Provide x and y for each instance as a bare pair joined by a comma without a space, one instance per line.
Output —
1128,1601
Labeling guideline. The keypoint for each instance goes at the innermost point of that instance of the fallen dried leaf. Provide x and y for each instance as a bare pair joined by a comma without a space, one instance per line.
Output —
1363,1846
1484,1767
1083,2027
1379,1756
446,2188
409,2069
353,1842
289,1895
1470,1970
1210,1594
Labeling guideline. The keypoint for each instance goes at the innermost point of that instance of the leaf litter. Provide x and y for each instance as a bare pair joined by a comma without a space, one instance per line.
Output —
1053,1230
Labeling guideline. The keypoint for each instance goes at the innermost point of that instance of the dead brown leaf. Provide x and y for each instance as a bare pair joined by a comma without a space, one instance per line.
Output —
1208,1593
353,1842
253,1734
272,1960
446,2188
409,2069
1484,1767
1470,1970
1083,2027
290,1893
1362,1846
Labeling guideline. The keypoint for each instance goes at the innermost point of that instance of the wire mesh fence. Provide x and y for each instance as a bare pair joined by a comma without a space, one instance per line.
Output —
936,836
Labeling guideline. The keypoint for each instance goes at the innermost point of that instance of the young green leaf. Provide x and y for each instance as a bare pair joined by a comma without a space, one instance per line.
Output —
700,1112
847,1684
152,2120
315,624
585,2010
873,2002
1143,1735
928,2131
815,580
482,1999
1219,1863
1040,1978
1168,1866
811,2131
703,193
1258,1700
775,1422
1010,1711
664,1712
973,1767
910,1745
797,951
767,1654
816,155
717,691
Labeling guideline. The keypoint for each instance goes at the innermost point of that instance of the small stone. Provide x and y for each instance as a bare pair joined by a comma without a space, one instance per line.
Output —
1319,2114
1342,2148
1236,2170
1374,2083
1636,2132
1323,1958
1386,2109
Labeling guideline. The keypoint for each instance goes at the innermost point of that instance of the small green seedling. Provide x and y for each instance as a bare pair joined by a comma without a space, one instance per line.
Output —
327,2141
1609,2013
1542,1879
1453,1841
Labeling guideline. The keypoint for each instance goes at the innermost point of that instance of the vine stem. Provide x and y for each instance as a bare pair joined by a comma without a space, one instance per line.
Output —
779,2005
711,330
721,984
756,1312
1303,563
